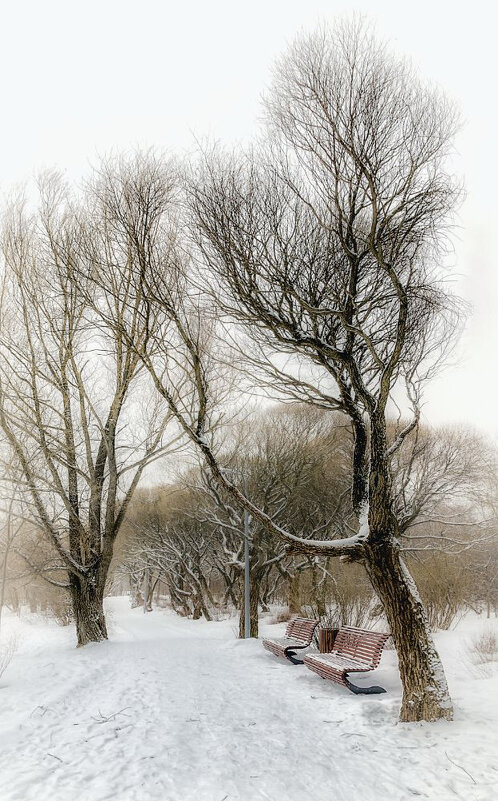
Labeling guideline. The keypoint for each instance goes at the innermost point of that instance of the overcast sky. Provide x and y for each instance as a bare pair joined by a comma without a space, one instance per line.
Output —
79,79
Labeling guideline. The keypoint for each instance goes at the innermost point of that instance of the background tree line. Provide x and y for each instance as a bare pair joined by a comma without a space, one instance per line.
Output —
181,544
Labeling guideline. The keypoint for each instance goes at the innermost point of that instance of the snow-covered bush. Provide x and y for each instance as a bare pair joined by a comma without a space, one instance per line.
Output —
484,647
445,585
58,607
283,616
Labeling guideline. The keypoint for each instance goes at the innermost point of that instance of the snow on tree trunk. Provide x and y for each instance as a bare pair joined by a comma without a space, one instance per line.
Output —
136,590
88,605
425,691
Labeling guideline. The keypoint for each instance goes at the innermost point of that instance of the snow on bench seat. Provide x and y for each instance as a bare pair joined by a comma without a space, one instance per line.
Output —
355,651
299,634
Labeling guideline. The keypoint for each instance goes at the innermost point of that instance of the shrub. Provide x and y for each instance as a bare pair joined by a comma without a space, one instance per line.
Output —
59,608
445,586
281,617
484,648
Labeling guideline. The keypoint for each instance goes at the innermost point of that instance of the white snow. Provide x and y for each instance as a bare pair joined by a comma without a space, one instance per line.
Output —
364,530
176,710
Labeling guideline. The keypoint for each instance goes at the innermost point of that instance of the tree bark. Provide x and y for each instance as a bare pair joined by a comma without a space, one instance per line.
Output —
295,594
136,590
196,608
319,594
255,582
147,593
425,691
88,605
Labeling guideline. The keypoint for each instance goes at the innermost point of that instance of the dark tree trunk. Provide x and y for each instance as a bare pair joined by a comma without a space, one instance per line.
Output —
255,582
148,589
360,461
199,606
196,609
318,592
154,583
15,603
87,597
205,611
425,692
229,595
295,594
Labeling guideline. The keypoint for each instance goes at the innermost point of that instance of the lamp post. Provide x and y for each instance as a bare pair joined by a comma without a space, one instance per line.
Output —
247,571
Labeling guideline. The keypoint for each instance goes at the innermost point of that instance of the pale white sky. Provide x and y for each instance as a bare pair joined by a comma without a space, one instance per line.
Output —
79,79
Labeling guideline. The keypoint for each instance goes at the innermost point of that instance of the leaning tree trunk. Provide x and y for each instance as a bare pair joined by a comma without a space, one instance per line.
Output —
254,584
87,595
425,691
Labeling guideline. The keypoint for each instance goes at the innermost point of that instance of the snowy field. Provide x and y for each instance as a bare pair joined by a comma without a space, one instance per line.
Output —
176,710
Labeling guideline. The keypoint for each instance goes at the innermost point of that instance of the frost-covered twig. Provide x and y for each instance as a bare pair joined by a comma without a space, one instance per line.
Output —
461,768
106,718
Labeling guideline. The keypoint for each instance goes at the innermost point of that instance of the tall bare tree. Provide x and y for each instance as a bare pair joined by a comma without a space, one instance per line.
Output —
326,245
71,382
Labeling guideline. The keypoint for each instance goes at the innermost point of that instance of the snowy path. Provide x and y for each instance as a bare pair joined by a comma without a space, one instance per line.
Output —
174,710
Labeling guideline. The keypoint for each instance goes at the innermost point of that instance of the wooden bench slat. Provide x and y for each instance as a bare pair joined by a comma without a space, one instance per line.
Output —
298,634
355,650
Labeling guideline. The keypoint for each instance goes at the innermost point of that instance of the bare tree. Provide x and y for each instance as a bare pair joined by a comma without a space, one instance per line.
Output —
326,246
281,457
9,533
168,541
70,383
443,484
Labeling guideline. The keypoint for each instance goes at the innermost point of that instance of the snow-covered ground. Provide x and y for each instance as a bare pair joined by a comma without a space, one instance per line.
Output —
177,710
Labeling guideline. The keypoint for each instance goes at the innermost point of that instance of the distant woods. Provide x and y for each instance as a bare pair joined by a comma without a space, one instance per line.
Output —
182,543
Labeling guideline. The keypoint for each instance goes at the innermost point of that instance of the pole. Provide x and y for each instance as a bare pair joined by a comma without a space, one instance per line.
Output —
247,572
146,589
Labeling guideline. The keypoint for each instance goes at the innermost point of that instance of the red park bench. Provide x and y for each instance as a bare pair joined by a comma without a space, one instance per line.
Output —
298,634
354,651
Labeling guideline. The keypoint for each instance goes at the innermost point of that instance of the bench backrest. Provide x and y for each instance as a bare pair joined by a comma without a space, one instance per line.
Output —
360,644
301,628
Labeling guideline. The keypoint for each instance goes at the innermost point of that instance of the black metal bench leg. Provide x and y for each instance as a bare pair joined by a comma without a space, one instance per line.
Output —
291,656
362,690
